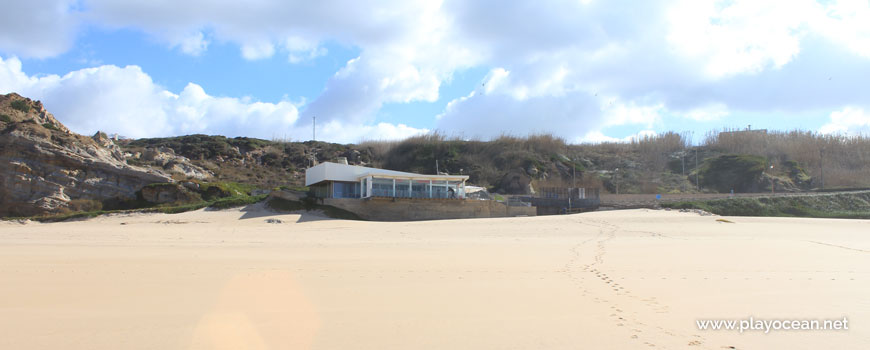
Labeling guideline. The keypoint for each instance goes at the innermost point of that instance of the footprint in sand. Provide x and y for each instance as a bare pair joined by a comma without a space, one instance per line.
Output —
694,343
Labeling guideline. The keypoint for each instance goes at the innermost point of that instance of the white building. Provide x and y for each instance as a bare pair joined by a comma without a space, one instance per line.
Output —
334,180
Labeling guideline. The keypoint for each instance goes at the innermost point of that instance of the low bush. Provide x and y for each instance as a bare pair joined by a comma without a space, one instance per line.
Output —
84,205
20,105
841,205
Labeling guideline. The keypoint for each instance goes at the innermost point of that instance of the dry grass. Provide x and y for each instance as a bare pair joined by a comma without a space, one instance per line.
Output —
845,160
486,162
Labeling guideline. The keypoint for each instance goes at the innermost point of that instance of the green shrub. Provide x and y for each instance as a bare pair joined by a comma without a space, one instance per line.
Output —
50,126
737,172
237,201
215,190
80,205
20,105
843,205
5,118
292,188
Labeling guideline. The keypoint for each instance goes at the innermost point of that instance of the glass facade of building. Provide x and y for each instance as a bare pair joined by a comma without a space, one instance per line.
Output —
382,187
407,188
345,190
335,180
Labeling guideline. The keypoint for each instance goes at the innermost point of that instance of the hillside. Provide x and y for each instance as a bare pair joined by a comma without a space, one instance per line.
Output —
517,165
46,168
843,205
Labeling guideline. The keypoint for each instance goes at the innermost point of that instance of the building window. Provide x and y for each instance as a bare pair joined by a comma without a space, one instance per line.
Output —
345,190
382,187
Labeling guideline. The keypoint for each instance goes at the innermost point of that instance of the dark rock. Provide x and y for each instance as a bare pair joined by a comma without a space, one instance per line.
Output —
515,182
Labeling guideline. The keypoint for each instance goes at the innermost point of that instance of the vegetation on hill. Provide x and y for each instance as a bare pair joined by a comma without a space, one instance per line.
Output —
838,205
664,163
219,169
740,173
263,163
541,159
208,195
839,161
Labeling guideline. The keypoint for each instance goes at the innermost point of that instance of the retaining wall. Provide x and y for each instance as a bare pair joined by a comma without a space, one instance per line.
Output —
403,209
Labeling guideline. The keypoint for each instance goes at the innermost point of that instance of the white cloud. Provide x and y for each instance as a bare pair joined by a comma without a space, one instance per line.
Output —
126,100
302,49
599,137
847,22
490,115
38,28
337,130
564,66
257,50
714,111
742,36
193,44
850,121
619,113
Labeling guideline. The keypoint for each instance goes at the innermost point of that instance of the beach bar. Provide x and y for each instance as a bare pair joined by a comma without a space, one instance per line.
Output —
336,180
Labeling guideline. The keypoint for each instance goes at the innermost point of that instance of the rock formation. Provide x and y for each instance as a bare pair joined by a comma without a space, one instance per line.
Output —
43,165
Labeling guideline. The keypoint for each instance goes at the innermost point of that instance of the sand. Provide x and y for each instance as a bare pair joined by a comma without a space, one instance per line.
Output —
637,279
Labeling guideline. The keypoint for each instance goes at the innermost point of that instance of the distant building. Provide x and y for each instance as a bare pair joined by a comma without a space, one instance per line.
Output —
748,130
335,180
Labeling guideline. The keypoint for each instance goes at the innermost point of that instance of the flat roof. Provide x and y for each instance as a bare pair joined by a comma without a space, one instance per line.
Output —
329,171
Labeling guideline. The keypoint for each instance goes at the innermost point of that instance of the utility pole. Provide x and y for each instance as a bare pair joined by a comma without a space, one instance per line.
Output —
314,138
574,177
683,158
617,180
573,186
772,185
697,182
822,165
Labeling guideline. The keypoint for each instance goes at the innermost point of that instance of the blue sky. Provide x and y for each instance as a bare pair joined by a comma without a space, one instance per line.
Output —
588,71
221,70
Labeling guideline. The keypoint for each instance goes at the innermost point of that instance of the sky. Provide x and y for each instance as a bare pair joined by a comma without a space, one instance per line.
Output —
584,70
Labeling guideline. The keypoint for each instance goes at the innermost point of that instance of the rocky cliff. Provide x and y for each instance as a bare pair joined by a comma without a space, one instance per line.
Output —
44,166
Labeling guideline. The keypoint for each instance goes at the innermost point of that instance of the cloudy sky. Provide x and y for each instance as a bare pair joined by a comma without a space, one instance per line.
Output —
586,70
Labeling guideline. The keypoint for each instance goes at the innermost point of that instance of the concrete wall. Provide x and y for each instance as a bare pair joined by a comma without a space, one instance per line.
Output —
402,209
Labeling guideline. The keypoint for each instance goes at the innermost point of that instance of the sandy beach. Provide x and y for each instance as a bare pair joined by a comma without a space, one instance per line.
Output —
252,279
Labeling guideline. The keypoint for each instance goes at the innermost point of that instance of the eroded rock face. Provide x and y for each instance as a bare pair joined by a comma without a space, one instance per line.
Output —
43,165
166,159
